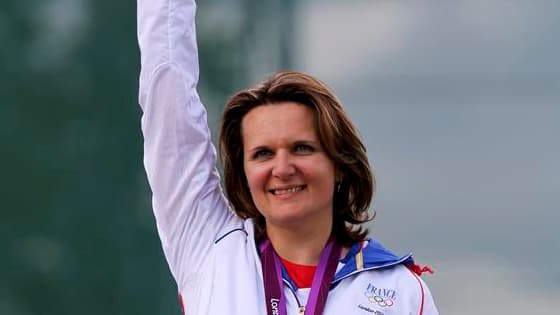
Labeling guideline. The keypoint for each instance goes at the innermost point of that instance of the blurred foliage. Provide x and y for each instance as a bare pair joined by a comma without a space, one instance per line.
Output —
77,233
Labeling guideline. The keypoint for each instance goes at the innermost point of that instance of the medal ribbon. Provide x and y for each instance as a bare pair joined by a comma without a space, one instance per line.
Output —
273,284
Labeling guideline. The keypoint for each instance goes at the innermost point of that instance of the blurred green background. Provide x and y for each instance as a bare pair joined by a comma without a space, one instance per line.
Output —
77,234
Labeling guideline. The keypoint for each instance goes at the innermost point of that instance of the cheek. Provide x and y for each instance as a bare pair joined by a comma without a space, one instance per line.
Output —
327,186
255,178
322,171
327,180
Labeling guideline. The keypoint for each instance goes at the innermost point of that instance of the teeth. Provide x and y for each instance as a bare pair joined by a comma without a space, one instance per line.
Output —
287,191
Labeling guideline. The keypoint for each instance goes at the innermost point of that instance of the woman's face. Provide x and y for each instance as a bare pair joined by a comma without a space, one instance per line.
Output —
290,177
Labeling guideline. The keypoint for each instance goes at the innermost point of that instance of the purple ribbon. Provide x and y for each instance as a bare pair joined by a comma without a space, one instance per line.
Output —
274,288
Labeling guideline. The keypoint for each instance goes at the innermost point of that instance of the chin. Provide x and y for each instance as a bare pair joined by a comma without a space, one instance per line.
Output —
287,221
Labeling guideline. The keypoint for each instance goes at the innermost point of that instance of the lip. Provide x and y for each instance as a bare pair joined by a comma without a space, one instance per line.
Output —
286,191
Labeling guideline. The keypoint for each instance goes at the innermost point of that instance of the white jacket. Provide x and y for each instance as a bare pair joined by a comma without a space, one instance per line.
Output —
211,252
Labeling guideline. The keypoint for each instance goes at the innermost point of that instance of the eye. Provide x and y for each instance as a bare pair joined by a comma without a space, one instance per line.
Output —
303,148
262,154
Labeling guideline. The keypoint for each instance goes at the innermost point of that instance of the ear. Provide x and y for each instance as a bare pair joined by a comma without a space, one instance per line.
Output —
338,177
337,180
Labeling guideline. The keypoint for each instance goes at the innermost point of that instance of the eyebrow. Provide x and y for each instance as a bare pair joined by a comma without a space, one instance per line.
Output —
298,142
314,142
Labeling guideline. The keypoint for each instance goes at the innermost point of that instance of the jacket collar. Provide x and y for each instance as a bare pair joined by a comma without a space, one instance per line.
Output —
362,256
369,255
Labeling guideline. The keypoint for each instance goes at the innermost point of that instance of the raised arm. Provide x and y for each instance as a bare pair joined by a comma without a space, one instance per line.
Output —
179,157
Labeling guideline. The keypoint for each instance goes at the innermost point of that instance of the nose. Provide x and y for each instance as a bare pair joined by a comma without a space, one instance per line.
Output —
283,165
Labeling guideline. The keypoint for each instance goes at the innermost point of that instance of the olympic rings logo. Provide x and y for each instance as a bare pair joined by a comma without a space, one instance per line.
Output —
381,301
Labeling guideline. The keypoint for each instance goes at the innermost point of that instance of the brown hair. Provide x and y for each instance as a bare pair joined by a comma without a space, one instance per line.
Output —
355,182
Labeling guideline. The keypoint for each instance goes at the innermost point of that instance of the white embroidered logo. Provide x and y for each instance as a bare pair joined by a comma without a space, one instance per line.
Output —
382,297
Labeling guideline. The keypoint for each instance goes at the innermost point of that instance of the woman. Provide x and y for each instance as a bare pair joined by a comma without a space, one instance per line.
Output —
298,182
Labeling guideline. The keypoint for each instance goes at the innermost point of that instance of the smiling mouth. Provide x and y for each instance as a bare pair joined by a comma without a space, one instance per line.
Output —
284,191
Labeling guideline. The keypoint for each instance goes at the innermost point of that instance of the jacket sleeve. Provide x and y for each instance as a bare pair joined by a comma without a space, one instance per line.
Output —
429,306
179,158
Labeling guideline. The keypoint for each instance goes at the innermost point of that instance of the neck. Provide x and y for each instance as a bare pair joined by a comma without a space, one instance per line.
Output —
301,245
